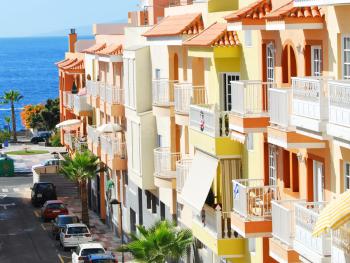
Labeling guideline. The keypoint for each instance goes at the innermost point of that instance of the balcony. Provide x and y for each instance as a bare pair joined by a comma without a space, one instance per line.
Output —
81,107
340,245
163,92
252,209
93,92
320,2
339,109
68,100
213,228
281,132
69,140
310,105
94,142
209,130
165,167
283,231
314,249
187,94
113,152
112,100
182,171
249,112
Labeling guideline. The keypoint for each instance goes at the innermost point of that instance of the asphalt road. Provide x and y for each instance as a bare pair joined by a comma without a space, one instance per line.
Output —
23,236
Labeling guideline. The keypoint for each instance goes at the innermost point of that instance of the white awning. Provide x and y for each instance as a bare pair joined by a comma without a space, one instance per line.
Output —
201,175
69,124
238,137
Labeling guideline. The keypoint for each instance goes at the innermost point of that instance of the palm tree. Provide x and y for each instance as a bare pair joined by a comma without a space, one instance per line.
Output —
11,97
79,168
160,243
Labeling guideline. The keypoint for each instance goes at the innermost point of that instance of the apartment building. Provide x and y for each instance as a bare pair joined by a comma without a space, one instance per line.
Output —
229,117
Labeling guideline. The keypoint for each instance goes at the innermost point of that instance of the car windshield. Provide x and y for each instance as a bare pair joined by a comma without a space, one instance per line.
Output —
77,230
89,251
67,220
55,206
44,187
103,261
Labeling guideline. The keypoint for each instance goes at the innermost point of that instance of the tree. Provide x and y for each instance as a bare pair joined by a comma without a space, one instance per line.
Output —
11,97
51,114
160,243
79,168
7,120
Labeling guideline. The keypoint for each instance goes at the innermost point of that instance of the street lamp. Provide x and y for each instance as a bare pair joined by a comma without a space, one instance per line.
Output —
116,202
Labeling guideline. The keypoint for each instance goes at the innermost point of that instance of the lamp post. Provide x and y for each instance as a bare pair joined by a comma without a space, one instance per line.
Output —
116,202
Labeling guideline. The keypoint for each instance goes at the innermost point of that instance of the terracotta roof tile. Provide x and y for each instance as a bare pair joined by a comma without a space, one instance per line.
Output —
188,24
95,48
61,62
289,11
66,63
115,49
214,35
256,10
77,65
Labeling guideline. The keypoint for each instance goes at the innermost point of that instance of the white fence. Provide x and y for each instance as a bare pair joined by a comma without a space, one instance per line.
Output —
207,119
280,107
252,199
306,215
250,97
187,94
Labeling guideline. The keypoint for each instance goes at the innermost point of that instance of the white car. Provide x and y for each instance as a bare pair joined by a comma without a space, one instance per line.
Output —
83,250
74,234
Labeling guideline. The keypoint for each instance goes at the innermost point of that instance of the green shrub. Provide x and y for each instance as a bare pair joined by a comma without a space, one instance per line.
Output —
55,140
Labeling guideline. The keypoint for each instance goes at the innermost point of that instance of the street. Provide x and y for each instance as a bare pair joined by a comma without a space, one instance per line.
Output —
23,236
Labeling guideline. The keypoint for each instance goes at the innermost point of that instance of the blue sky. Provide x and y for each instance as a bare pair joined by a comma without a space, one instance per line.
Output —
36,17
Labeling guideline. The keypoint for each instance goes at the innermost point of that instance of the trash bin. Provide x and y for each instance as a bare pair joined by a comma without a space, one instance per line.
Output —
7,167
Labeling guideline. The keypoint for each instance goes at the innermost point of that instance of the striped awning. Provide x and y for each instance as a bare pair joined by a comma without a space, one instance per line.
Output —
334,215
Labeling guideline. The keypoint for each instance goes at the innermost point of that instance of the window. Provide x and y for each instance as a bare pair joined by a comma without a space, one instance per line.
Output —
251,245
346,56
140,206
272,165
270,62
316,60
157,73
248,38
250,142
347,176
227,78
125,184
154,204
148,199
162,211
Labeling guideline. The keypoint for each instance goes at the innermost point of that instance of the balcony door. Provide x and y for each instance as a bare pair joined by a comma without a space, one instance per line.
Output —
316,61
270,62
318,179
227,78
272,164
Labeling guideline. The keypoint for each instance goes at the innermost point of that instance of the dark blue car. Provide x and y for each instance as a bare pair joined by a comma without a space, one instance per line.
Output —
101,258
60,222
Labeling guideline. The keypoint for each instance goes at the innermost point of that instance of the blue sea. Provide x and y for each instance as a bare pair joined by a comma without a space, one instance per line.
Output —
27,65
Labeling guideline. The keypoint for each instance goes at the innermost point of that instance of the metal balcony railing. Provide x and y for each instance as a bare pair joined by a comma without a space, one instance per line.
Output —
165,162
113,146
187,94
163,92
182,171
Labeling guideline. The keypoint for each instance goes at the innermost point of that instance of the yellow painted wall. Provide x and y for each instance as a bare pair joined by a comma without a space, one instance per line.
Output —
222,5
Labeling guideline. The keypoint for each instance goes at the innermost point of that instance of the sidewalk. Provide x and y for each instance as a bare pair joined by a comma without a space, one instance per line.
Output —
100,232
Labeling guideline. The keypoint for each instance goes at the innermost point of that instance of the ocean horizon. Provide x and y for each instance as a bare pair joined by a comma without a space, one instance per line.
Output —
28,65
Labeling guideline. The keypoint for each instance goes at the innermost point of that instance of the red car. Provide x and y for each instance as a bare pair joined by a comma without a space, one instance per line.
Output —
52,208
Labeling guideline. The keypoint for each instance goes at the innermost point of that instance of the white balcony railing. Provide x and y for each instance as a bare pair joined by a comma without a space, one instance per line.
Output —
217,223
163,92
80,103
339,102
80,145
114,95
283,222
306,215
70,100
252,199
64,96
208,120
182,171
93,88
320,2
280,107
309,98
341,245
113,146
92,135
250,97
69,140
187,94
165,162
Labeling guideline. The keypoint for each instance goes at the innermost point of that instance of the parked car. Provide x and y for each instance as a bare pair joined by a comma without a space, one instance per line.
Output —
74,234
50,165
60,222
101,258
52,208
82,251
40,137
41,192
